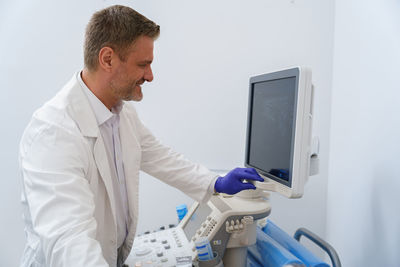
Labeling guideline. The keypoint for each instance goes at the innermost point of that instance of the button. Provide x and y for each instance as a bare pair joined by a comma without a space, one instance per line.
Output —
204,225
152,240
160,254
147,232
142,251
208,218
164,241
193,238
171,225
167,247
162,228
164,259
199,232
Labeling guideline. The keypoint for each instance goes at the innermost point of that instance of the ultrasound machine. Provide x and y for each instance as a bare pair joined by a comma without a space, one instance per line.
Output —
278,145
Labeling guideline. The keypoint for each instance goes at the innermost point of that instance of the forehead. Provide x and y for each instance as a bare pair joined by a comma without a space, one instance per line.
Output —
142,49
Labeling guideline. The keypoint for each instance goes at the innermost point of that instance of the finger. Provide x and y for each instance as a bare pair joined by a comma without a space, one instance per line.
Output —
245,173
251,170
251,176
246,186
242,171
248,176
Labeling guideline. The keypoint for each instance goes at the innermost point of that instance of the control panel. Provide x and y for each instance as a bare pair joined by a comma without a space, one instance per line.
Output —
163,248
227,222
205,228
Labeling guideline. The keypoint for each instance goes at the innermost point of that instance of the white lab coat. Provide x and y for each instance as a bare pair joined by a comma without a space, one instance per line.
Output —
67,192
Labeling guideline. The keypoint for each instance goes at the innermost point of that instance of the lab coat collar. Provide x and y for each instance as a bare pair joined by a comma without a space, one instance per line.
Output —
81,109
87,123
101,112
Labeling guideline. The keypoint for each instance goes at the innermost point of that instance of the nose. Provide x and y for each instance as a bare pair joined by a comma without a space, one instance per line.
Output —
148,74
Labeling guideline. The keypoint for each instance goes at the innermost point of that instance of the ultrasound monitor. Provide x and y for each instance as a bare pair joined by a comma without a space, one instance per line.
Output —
279,129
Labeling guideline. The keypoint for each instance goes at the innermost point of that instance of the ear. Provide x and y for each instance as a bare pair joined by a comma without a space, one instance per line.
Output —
106,57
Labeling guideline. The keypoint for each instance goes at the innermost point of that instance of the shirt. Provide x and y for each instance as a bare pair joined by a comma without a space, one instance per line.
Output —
108,122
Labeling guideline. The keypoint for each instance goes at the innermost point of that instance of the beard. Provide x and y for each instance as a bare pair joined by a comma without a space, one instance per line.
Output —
127,90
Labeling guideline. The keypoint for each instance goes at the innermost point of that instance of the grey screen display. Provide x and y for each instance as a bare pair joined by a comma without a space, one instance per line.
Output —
194,223
271,128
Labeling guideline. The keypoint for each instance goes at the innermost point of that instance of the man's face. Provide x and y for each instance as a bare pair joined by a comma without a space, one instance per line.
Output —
130,74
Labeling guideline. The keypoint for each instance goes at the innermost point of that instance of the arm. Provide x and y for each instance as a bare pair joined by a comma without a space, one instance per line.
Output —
172,168
54,164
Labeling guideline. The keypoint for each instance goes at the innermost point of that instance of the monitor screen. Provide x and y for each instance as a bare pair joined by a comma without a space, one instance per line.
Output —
198,217
279,128
271,125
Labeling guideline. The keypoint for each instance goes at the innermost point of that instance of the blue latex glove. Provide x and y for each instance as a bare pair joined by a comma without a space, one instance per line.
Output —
232,183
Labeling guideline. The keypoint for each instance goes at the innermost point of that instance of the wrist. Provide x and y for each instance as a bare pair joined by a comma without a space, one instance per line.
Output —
217,185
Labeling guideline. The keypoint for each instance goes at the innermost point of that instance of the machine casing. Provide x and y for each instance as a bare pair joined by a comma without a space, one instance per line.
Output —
301,133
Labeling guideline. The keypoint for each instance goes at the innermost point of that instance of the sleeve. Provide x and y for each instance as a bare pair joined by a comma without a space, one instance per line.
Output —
61,204
174,169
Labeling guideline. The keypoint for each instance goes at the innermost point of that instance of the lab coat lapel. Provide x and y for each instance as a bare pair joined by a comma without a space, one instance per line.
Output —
131,154
100,156
86,120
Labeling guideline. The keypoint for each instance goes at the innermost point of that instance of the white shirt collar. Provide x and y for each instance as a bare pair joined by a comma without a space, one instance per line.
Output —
101,112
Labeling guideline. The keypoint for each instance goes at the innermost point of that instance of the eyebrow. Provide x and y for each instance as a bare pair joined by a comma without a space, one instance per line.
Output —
145,61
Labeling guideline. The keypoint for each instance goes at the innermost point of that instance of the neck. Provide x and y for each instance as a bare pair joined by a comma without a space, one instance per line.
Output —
98,84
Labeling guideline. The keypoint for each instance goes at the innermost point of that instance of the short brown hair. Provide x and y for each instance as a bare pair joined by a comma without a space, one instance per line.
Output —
117,27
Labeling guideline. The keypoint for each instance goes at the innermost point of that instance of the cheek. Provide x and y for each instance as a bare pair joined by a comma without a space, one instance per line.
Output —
130,75
136,72
120,76
138,75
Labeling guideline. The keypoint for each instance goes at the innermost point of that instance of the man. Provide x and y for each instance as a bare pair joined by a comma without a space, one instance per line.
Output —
82,152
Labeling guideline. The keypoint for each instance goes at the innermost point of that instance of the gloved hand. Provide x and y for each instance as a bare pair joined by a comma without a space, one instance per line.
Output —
232,183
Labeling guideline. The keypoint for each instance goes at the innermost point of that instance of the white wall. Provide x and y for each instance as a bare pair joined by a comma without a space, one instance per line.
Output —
198,102
364,181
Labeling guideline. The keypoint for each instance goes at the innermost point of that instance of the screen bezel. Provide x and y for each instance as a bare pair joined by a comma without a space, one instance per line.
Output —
294,72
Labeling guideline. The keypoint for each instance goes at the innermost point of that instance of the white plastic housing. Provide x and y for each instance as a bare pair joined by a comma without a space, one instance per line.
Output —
302,131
